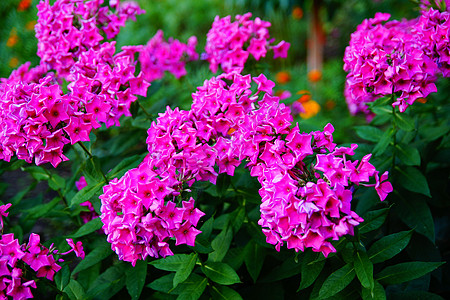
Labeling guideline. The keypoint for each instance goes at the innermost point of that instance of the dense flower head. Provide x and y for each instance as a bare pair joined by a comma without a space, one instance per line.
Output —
69,28
160,55
433,31
302,205
384,59
37,119
15,281
229,44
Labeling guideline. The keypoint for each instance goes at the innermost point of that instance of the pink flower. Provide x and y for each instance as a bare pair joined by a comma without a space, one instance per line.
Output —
77,248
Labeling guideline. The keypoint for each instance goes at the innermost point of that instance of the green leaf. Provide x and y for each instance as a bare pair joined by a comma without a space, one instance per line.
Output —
337,281
254,259
237,218
171,263
87,193
163,284
220,273
135,278
389,246
369,133
287,269
415,295
310,269
41,210
364,269
221,244
405,122
56,182
225,293
383,142
74,290
98,254
62,278
92,170
125,165
408,155
192,288
415,213
373,220
89,227
413,180
185,269
222,184
377,293
406,271
108,283
37,173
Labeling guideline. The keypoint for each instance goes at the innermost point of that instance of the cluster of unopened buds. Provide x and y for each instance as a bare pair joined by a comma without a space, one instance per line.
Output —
303,205
16,260
159,56
229,44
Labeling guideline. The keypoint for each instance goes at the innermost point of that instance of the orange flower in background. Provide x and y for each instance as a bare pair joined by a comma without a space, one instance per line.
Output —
422,100
30,25
13,62
330,104
297,13
305,96
314,75
311,108
24,5
13,38
283,77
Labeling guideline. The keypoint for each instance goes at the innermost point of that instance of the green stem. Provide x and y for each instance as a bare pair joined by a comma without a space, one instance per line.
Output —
85,149
394,136
144,110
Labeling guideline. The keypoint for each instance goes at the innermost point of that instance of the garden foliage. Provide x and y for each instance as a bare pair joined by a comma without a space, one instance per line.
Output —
181,170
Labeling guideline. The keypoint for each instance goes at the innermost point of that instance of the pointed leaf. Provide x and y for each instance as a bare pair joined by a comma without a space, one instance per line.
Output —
192,288
406,271
171,263
86,193
220,273
221,244
185,269
287,269
369,133
416,214
384,141
254,259
162,284
310,269
125,165
98,254
364,269
224,293
62,278
108,283
377,293
413,180
389,246
405,122
373,220
89,227
408,155
74,290
135,278
337,281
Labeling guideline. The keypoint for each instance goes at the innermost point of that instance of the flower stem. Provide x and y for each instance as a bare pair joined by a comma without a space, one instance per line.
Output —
85,149
144,110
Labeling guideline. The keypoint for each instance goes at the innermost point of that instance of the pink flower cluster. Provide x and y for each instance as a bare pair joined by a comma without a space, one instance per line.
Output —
159,56
229,44
385,59
435,4
432,29
38,119
40,259
302,205
68,28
